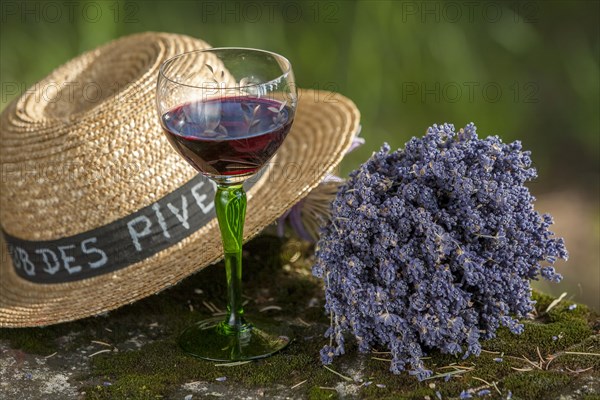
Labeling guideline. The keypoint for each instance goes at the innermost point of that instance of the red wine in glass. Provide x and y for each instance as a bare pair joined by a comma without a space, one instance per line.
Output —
230,136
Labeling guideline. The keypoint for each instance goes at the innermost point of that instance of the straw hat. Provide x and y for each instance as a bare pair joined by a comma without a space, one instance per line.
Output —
96,208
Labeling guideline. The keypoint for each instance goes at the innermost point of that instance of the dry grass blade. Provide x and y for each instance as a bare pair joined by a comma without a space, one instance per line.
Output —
233,364
493,384
102,343
542,359
555,302
100,352
303,322
522,369
299,384
531,362
381,359
482,380
346,378
496,387
581,353
217,309
269,308
490,352
578,371
456,372
550,359
212,310
458,367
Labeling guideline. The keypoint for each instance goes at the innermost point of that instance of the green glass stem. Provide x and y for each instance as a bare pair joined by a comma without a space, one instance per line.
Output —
233,339
230,205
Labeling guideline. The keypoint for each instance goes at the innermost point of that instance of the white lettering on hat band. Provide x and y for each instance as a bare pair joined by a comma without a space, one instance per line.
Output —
120,243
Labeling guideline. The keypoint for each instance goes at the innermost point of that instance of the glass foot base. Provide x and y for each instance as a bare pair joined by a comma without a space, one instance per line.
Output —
213,339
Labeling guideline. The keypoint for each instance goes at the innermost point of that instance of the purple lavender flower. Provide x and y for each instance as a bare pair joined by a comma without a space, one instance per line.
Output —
433,246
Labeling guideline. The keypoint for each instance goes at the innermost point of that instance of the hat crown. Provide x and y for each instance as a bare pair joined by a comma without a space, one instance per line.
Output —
91,84
88,135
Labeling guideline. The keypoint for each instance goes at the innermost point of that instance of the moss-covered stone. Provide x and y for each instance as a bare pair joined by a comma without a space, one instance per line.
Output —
317,393
581,356
536,384
40,341
555,354
132,386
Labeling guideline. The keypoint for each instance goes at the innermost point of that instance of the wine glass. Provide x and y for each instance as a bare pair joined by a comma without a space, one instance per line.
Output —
227,111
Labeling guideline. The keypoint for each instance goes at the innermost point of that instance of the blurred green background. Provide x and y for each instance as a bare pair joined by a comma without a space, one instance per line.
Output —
522,70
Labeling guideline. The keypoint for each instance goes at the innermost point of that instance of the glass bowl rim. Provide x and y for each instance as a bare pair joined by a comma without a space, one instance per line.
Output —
284,74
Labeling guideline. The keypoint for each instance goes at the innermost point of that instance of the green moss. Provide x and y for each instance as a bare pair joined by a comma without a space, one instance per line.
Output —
542,300
552,332
132,387
316,393
586,357
43,340
142,374
561,311
536,384
498,367
168,367
282,368
35,341
526,385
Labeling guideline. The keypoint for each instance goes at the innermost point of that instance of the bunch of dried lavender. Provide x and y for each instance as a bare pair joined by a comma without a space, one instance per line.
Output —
433,247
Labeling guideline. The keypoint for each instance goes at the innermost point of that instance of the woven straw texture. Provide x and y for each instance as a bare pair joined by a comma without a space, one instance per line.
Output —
78,161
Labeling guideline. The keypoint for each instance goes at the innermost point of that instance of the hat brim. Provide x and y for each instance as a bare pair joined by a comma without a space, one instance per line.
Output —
324,127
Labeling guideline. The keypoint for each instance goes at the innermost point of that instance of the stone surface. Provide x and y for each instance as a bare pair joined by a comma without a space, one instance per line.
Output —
131,353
